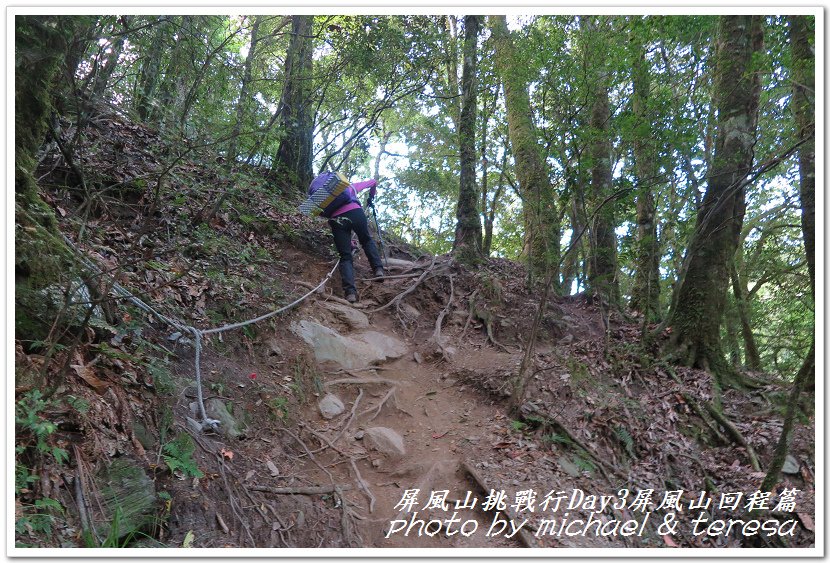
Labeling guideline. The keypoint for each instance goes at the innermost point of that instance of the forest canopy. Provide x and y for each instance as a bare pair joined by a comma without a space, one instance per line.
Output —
623,117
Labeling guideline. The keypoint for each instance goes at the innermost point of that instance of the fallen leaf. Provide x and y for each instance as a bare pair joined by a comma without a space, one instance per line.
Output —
669,542
807,521
227,453
188,539
87,374
436,435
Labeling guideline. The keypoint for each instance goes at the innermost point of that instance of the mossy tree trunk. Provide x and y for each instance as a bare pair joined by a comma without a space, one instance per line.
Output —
541,218
645,294
41,44
295,151
467,243
695,321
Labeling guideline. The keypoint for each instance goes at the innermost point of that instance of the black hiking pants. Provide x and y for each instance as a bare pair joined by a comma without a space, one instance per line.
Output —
342,227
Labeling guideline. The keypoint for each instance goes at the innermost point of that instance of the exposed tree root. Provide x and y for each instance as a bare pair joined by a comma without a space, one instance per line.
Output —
524,536
315,490
603,466
397,299
735,433
436,333
363,485
471,302
360,381
389,395
351,417
695,405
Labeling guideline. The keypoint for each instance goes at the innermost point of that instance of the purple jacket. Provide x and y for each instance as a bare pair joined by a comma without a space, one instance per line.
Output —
355,188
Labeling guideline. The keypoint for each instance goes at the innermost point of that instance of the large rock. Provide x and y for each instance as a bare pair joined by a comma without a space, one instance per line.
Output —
331,406
349,315
125,500
358,351
384,440
387,346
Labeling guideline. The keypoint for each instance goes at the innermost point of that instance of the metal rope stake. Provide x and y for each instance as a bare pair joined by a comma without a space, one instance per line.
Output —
206,422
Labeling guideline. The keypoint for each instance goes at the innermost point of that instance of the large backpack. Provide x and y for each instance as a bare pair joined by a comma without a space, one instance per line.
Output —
328,192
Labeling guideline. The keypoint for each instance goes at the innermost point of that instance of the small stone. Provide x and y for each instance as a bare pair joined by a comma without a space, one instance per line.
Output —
791,466
569,467
418,358
218,410
567,339
385,440
376,463
194,426
359,435
410,311
274,349
330,406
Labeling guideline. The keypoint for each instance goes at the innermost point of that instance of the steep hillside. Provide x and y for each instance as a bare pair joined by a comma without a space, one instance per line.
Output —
331,416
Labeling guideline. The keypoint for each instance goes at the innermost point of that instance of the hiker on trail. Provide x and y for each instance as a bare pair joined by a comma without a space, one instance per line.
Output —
346,215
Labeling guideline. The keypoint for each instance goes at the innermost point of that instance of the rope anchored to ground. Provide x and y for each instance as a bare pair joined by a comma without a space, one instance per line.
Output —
181,326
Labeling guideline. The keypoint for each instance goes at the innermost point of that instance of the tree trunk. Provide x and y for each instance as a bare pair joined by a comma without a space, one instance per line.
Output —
805,375
173,89
541,220
41,45
193,93
295,151
148,78
244,92
645,294
695,321
467,243
803,103
451,70
732,335
753,358
803,62
490,215
602,262
102,77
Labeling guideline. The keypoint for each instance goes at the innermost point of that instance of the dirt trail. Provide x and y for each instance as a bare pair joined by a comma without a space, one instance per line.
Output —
442,423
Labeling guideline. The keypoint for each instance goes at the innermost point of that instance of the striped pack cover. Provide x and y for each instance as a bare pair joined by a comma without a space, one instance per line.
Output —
319,200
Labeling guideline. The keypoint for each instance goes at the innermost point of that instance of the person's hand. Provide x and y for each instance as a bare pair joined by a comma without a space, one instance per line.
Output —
372,191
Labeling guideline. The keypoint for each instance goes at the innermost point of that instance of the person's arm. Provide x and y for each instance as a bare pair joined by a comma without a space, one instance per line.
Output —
360,186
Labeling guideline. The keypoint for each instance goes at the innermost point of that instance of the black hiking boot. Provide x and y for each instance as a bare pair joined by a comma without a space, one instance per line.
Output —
379,274
351,297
